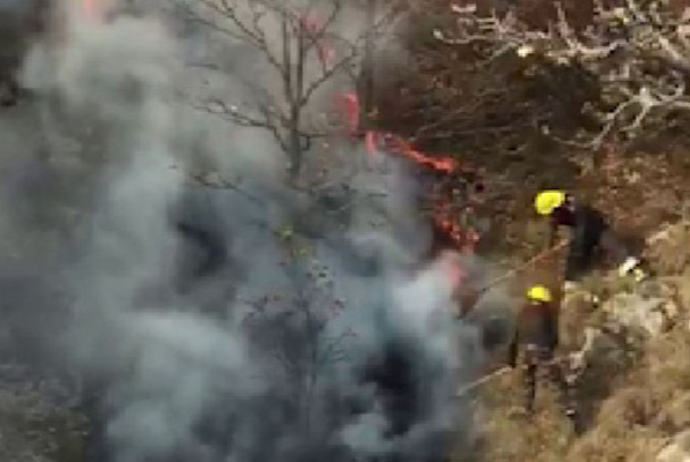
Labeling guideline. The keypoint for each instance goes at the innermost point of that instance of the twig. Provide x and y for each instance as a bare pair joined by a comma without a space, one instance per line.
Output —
479,382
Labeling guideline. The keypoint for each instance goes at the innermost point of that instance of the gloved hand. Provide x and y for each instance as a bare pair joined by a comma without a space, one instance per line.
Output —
639,275
628,266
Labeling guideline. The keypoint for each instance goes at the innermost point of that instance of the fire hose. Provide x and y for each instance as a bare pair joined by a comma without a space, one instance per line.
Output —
482,380
518,269
462,391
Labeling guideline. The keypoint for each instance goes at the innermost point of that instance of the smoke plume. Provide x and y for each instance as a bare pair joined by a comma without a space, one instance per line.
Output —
247,322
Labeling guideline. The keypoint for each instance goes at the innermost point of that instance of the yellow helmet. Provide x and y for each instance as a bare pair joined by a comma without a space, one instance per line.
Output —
547,201
540,294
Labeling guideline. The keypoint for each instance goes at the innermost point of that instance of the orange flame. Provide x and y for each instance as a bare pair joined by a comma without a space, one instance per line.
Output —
376,142
351,105
444,214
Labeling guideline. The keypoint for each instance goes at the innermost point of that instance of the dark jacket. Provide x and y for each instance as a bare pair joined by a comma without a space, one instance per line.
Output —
588,226
581,218
537,325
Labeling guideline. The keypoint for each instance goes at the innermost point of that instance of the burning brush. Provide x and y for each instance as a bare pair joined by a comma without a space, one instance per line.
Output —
454,189
452,193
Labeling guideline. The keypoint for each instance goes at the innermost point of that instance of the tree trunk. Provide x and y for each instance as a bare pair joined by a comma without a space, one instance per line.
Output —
366,77
295,150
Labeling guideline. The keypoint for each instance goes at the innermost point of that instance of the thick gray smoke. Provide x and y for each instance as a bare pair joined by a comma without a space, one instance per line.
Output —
213,323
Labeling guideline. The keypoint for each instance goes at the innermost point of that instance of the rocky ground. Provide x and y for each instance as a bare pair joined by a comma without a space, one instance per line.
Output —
634,389
39,420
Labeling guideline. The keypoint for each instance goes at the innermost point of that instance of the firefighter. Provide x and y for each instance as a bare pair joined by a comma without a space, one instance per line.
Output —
590,232
534,342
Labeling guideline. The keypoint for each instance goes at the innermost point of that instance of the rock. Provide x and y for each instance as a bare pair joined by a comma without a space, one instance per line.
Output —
649,315
598,350
578,360
576,306
678,450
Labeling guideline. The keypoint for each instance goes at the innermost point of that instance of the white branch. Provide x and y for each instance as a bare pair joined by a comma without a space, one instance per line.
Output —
640,54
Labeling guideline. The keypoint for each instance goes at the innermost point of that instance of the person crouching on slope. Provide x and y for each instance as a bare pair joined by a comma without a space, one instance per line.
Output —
534,342
590,231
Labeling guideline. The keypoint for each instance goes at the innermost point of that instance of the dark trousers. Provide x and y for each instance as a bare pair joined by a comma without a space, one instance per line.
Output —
585,247
539,362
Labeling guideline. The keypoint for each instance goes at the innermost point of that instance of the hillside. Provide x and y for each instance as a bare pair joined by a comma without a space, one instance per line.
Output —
203,260
633,391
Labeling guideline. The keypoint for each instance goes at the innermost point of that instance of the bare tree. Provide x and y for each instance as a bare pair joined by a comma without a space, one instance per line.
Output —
306,48
637,53
366,79
461,92
292,330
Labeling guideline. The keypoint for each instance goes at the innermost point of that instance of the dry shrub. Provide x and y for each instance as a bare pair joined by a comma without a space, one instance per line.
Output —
634,423
669,249
616,447
684,289
675,416
666,365
629,408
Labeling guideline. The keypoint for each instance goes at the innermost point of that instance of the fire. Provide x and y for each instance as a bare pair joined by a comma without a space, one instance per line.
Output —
394,144
377,141
444,209
445,215
352,109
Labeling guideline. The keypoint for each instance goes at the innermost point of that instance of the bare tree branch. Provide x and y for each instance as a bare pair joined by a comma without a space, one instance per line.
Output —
287,113
238,30
639,53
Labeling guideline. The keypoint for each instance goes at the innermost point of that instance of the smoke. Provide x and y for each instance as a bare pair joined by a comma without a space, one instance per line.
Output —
246,323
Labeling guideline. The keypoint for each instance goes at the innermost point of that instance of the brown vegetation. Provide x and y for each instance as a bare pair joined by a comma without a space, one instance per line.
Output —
536,94
563,116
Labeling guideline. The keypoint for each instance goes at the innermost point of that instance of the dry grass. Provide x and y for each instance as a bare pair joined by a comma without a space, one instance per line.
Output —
635,395
33,428
633,402
669,248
